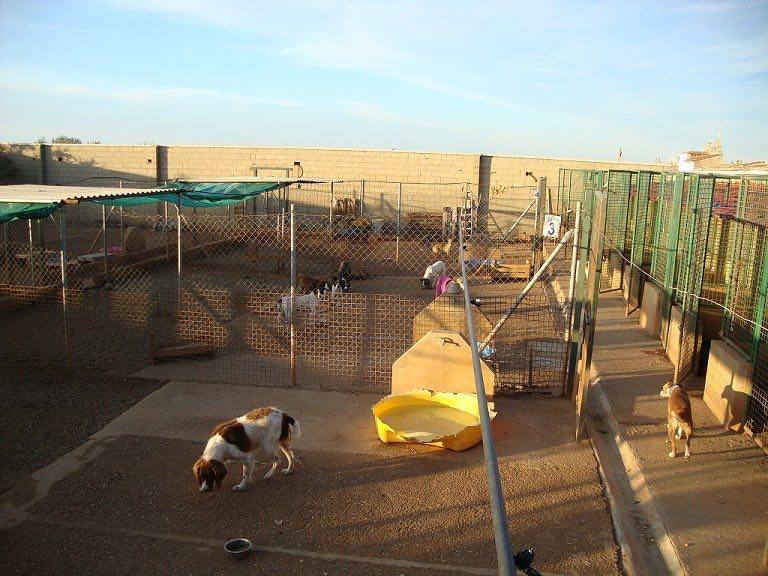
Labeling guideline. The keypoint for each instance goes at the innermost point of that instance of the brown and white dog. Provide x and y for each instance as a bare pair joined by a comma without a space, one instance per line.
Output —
679,417
268,429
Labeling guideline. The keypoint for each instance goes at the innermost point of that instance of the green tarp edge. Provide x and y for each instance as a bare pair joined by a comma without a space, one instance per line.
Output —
192,195
10,211
196,195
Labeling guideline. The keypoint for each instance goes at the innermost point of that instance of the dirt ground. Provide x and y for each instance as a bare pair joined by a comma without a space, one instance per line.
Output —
127,502
48,408
714,507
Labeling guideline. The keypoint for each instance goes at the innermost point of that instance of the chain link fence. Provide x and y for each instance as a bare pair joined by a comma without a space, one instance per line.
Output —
168,291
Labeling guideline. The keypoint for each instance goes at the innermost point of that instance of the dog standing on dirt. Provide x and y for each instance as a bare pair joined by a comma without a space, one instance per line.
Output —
268,429
679,417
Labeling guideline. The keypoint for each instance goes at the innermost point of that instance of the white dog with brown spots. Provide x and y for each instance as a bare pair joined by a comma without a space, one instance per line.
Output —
267,429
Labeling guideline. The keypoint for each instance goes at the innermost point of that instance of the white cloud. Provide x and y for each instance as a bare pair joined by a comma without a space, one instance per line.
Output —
37,82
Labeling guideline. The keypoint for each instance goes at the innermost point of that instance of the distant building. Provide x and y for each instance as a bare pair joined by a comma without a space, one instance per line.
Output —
711,158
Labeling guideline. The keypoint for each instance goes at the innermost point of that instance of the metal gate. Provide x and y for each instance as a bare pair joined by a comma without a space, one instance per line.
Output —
620,183
640,219
693,255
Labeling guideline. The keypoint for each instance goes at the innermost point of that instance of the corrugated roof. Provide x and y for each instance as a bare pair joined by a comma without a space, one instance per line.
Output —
250,179
43,193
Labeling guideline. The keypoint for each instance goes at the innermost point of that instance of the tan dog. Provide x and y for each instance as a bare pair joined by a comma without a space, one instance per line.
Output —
445,247
679,417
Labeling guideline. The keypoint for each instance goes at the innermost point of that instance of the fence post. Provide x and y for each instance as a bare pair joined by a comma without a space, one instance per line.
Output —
399,216
590,311
538,240
293,296
571,295
330,214
165,229
64,282
104,240
504,554
31,251
362,197
7,253
178,248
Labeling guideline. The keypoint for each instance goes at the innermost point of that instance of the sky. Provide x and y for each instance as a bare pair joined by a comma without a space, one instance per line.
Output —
571,79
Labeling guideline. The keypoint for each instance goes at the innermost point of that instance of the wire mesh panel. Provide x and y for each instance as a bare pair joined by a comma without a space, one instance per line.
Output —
619,185
188,293
747,292
672,233
695,236
639,229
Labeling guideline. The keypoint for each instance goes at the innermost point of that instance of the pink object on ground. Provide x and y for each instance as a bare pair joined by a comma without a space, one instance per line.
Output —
441,283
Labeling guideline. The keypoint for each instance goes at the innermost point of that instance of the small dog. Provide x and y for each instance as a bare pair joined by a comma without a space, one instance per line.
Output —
679,417
268,429
443,248
432,273
308,285
343,276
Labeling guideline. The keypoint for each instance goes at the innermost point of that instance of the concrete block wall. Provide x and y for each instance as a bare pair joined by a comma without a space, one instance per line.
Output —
323,164
26,157
432,179
68,163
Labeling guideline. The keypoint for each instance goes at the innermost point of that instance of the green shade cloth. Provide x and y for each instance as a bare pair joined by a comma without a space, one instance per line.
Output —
25,210
196,194
191,194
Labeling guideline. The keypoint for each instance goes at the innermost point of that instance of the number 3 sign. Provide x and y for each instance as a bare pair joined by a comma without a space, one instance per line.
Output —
551,226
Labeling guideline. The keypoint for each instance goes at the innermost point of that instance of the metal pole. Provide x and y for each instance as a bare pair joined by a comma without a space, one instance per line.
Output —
165,229
104,238
399,216
293,296
178,247
519,219
7,253
590,307
122,236
538,239
64,282
524,292
362,197
571,294
330,214
504,554
31,251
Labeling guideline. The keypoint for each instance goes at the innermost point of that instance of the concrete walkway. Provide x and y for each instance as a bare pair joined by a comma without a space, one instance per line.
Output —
712,512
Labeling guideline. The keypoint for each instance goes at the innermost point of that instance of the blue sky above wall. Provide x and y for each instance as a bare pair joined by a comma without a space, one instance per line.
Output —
571,79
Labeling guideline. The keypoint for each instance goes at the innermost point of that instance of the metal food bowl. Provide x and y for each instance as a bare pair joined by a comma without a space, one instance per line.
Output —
238,548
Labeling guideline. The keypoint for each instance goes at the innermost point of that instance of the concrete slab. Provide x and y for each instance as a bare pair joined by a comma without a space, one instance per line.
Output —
335,421
650,311
728,385
672,345
331,421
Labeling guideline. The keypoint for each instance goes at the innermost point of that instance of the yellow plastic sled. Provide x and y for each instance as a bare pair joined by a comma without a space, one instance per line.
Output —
446,419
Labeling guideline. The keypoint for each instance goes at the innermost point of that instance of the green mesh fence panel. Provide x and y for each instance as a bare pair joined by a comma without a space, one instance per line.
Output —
694,240
619,186
639,221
